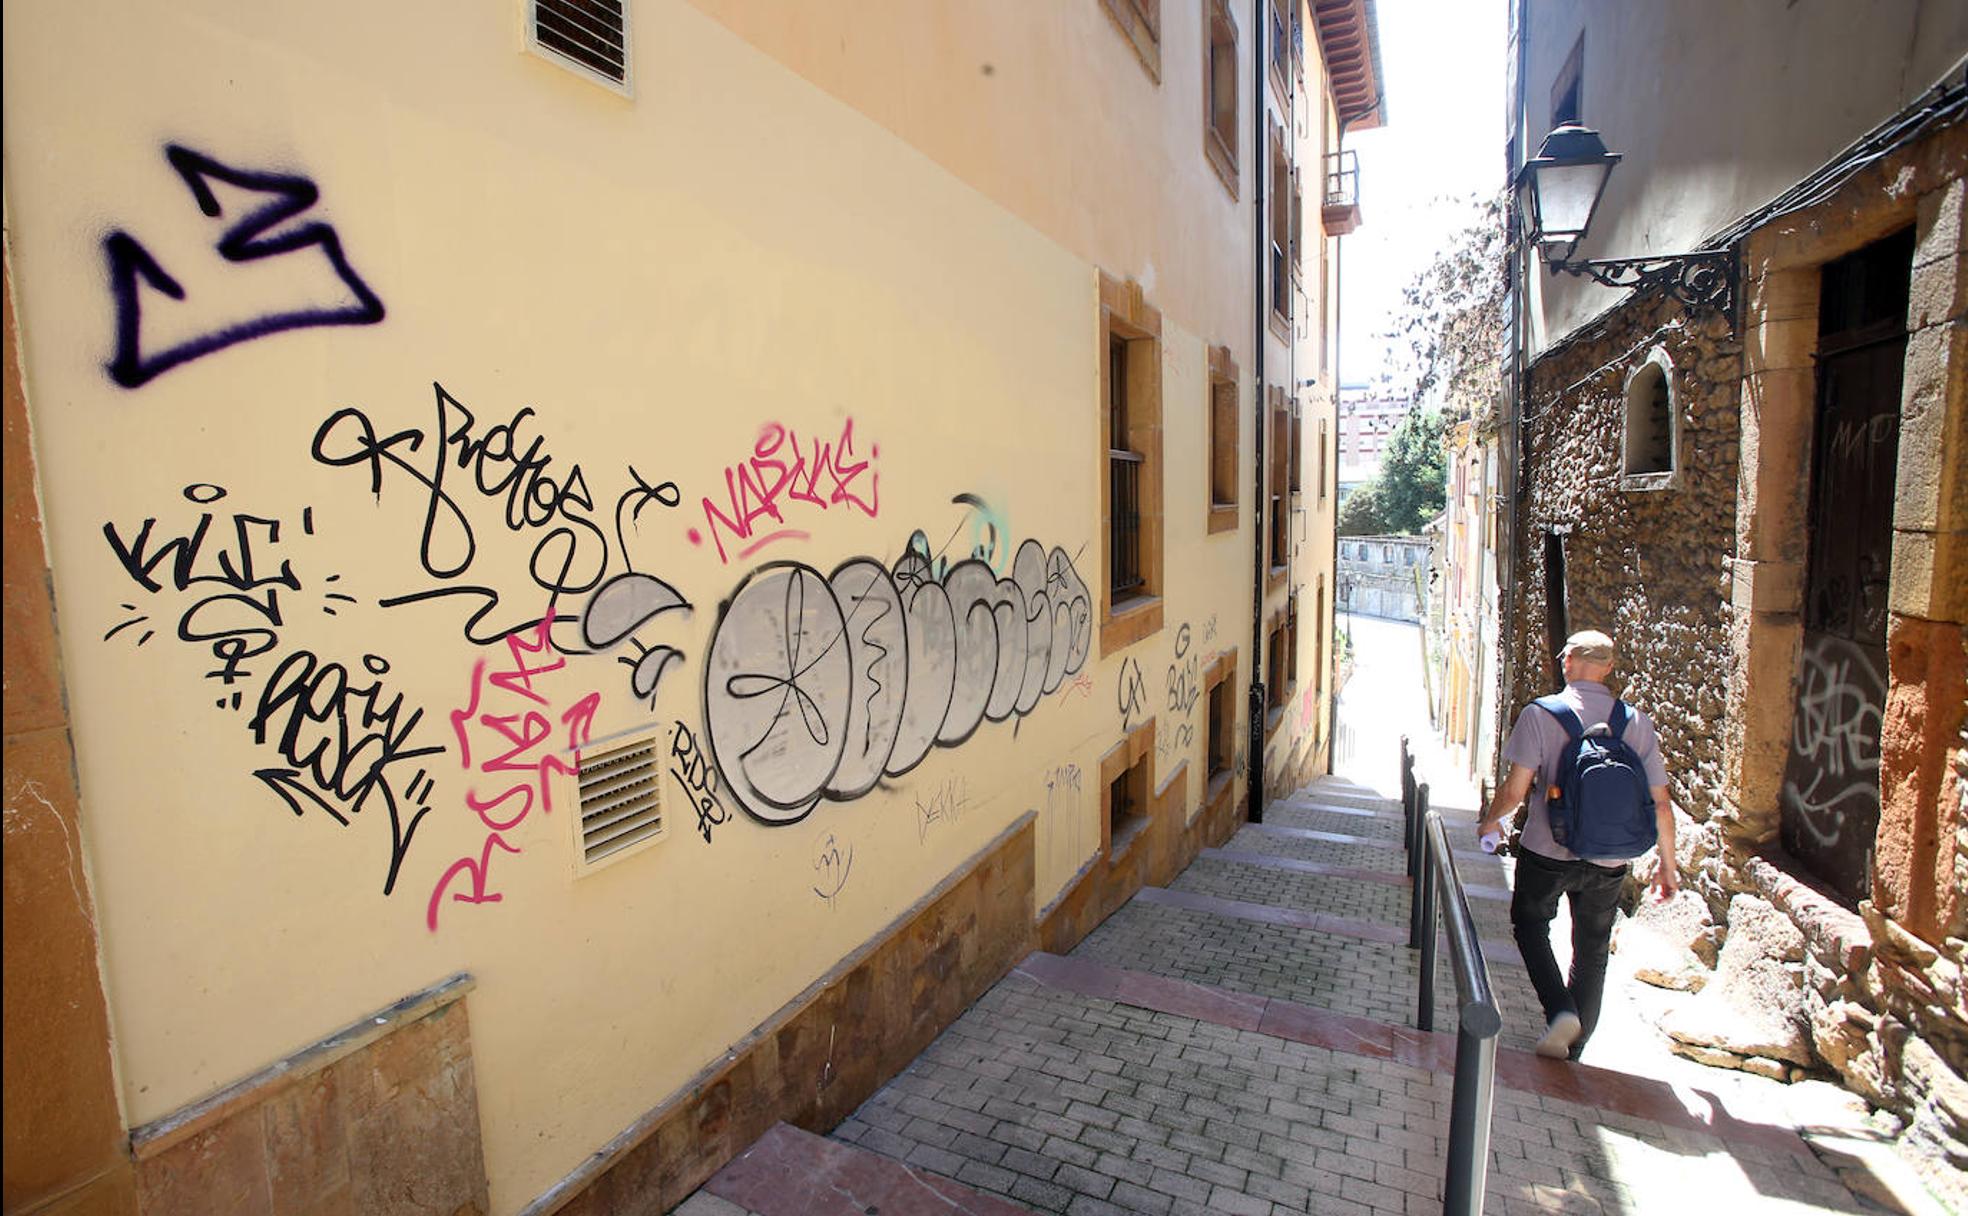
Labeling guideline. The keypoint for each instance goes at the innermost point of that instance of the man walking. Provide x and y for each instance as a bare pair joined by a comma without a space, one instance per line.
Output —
1547,869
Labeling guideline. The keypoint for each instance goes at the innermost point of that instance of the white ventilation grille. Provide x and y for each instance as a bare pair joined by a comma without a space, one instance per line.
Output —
589,36
621,800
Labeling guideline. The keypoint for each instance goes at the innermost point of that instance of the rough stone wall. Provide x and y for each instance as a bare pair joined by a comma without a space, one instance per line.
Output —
1647,566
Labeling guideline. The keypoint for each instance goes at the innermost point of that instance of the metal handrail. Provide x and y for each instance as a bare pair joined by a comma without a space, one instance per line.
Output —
1478,1020
1412,809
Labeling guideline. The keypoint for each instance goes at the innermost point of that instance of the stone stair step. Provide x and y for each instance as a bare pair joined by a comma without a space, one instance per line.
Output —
789,1172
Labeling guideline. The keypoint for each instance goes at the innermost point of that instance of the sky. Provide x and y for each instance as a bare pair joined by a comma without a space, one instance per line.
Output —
1443,142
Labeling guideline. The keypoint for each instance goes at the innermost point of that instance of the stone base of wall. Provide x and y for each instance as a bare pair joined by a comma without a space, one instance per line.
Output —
829,1048
1152,857
381,1117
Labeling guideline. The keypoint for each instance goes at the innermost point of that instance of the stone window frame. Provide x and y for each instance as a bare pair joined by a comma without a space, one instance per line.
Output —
1279,233
1221,673
1928,588
1222,127
1658,362
1132,758
1280,670
1140,23
1278,539
1126,314
1225,435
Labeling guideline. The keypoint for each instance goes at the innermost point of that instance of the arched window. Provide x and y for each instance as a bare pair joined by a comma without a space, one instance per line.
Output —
1650,436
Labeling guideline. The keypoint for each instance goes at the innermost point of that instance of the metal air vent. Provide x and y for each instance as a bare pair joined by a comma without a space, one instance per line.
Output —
621,800
588,36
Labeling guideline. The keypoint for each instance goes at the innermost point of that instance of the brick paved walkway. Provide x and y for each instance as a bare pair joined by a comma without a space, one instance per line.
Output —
1241,1042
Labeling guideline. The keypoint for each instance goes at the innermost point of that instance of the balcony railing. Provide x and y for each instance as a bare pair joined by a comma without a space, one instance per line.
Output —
1343,178
1340,212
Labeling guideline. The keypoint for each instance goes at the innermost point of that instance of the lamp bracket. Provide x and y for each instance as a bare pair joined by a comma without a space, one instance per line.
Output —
1705,280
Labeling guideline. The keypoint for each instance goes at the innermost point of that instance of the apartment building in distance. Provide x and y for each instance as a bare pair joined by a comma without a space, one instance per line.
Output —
1367,418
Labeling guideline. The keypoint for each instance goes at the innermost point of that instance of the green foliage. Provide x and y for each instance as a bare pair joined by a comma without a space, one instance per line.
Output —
1411,487
1361,514
1413,473
1451,320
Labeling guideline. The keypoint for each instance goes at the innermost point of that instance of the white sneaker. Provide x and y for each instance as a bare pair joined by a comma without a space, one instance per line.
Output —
1559,1037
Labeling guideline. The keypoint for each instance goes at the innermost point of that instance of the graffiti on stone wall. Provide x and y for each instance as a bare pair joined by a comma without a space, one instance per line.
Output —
781,475
268,230
815,686
1833,775
344,740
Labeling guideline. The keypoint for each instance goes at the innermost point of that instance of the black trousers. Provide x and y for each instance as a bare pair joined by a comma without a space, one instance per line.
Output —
1595,892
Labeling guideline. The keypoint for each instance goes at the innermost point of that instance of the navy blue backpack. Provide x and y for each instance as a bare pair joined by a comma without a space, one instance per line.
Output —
1598,801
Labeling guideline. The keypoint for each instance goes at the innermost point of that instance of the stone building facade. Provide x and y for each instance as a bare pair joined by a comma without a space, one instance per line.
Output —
1765,502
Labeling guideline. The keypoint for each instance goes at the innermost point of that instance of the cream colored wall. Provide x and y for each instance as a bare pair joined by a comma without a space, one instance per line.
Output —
1045,108
1719,108
657,279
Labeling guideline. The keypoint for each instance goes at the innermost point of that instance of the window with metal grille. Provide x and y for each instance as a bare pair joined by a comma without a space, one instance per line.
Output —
590,37
1123,479
621,800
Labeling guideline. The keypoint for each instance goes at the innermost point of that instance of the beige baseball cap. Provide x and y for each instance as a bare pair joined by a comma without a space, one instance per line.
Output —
1592,645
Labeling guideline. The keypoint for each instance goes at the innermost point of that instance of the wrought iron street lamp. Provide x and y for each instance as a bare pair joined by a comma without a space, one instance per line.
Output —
1558,191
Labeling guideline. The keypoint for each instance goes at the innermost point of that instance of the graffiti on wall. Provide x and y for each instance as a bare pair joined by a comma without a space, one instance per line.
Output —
690,767
832,863
266,231
1184,686
520,750
942,803
1131,695
1832,779
1064,827
344,740
815,686
506,462
781,475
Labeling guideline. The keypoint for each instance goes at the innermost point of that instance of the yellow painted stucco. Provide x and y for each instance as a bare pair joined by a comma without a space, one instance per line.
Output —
657,278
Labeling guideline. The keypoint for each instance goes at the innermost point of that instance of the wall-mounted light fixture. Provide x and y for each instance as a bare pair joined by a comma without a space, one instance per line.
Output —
1558,191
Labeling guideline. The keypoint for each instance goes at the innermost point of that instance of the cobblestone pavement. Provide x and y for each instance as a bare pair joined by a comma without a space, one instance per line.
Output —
1371,901
1241,1043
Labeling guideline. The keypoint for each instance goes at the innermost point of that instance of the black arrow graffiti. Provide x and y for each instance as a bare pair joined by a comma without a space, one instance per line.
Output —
248,239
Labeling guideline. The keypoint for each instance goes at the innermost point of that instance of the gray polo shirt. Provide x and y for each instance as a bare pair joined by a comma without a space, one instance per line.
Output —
1537,739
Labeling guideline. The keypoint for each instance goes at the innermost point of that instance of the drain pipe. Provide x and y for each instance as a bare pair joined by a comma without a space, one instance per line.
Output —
1255,776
